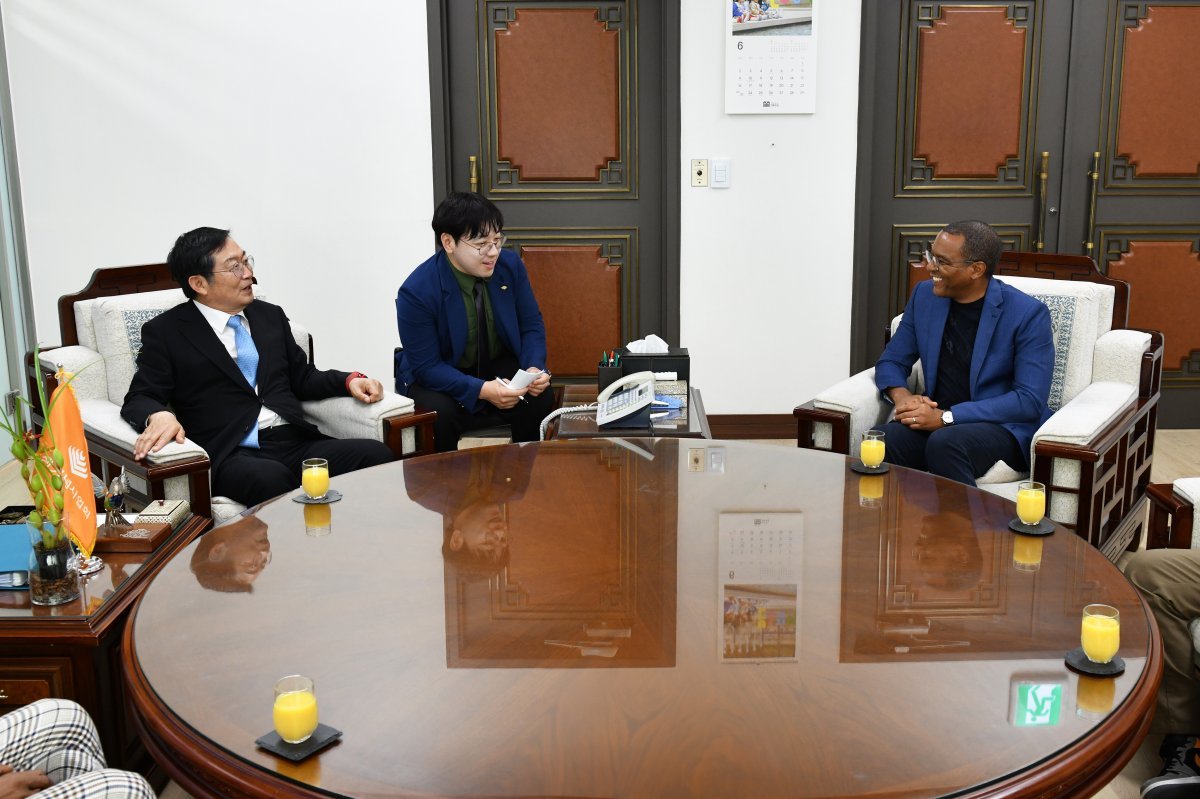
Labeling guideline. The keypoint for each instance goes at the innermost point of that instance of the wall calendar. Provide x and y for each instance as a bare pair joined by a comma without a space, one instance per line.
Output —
770,57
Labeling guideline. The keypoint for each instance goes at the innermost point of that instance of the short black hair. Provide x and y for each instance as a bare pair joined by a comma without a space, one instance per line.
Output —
193,255
466,215
980,242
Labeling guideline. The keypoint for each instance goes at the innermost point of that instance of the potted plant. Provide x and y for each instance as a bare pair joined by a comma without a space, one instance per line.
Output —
53,578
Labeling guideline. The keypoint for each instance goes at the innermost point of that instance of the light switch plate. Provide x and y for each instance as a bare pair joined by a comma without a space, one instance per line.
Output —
699,172
722,175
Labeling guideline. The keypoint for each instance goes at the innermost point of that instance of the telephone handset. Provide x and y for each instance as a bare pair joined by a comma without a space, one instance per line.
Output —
626,403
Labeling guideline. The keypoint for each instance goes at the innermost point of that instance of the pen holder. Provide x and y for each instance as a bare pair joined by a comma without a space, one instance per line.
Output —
607,375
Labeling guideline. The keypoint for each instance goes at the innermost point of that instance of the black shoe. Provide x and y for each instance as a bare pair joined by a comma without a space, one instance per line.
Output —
1180,778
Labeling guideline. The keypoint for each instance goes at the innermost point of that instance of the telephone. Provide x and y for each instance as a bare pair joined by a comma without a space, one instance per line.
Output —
626,403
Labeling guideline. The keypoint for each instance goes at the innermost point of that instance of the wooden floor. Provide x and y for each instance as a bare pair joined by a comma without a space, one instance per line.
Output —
1176,454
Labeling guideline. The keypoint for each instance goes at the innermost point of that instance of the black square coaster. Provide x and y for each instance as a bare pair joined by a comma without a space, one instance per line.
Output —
1077,661
862,468
322,737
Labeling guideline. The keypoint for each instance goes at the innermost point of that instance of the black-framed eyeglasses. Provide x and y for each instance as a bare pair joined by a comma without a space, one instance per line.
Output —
929,258
486,246
239,269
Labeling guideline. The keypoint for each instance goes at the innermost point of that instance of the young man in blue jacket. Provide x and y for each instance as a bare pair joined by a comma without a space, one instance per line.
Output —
988,357
468,322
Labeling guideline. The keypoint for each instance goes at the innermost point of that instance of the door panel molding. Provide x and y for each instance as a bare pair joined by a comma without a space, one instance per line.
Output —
586,281
557,85
964,127
1151,143
1161,263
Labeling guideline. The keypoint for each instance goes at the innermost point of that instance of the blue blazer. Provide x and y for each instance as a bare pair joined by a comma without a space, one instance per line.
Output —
1011,366
432,320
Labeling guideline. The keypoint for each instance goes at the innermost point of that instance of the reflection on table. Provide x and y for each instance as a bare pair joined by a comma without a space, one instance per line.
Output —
549,620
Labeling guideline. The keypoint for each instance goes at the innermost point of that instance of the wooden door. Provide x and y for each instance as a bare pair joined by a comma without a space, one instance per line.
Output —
565,114
1003,111
1135,104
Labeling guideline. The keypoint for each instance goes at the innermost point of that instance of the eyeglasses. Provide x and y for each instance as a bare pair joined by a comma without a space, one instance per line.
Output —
240,269
930,258
485,247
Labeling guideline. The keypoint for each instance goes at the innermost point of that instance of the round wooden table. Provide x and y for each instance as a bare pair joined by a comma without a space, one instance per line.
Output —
642,618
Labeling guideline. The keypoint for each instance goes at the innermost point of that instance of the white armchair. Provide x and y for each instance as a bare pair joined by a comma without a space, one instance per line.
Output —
1094,453
101,332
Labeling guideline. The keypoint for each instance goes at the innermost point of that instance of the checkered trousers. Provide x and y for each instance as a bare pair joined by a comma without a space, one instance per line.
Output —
56,736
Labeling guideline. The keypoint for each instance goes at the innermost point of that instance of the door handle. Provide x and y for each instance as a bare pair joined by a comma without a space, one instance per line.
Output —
1043,176
474,174
1093,184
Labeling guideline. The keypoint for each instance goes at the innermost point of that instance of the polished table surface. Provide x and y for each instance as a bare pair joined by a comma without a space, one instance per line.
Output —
591,653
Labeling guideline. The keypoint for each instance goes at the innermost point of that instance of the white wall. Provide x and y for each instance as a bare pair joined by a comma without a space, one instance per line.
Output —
301,124
766,264
304,125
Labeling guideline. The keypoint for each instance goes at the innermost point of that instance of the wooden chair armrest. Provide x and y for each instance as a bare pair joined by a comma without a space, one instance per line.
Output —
807,415
1170,518
421,419
108,460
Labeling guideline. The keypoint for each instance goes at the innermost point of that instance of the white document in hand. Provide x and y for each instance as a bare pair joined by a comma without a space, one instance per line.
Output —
522,378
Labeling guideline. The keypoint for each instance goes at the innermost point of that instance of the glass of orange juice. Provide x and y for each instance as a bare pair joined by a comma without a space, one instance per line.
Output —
295,711
1031,502
1101,633
314,477
871,450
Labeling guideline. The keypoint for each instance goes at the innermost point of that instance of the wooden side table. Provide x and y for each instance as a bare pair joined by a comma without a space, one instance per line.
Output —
72,651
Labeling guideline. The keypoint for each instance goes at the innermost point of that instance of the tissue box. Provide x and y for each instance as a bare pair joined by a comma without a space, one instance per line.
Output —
675,359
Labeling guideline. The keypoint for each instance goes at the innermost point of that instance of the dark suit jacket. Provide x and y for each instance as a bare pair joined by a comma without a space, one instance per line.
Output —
432,319
183,364
1011,365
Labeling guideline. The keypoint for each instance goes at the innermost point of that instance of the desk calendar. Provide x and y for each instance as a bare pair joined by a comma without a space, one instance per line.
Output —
758,562
770,57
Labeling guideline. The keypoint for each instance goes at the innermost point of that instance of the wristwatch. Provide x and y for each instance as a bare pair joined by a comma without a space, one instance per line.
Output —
947,418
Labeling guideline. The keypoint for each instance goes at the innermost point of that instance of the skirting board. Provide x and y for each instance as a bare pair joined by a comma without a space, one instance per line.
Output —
752,425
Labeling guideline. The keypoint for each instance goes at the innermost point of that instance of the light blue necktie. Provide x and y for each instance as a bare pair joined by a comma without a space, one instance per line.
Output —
247,361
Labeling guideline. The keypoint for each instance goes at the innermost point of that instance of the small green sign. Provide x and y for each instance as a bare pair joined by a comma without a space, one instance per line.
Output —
1038,704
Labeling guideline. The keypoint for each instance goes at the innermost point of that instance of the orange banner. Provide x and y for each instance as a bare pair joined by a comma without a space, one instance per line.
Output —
65,430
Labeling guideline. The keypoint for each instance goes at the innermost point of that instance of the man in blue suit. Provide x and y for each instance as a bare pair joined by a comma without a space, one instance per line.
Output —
468,320
988,357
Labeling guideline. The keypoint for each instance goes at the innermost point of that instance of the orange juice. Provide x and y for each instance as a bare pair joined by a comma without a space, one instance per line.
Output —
871,452
1031,505
1027,552
315,480
295,715
1101,637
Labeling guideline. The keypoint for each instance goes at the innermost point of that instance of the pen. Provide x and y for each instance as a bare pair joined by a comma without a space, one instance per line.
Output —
603,359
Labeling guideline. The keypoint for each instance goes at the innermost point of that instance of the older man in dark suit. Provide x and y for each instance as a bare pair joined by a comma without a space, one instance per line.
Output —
234,377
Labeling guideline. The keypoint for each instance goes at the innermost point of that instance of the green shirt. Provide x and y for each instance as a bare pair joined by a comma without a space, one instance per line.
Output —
467,284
